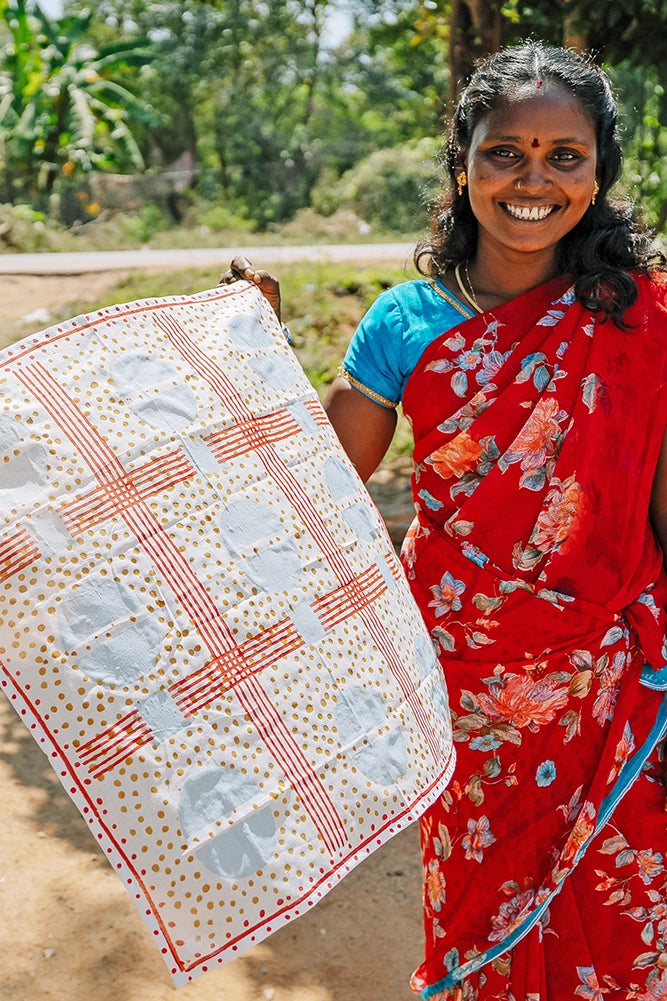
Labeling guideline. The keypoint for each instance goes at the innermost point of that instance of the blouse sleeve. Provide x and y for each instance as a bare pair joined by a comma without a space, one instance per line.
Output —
372,362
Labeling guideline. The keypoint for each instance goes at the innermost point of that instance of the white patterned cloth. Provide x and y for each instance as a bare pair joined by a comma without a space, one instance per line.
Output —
202,620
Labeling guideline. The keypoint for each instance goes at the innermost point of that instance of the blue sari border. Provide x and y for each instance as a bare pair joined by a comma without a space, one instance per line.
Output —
654,679
627,776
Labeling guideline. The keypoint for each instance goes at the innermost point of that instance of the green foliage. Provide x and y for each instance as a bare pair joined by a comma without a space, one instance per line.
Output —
61,111
220,218
266,108
390,188
273,117
22,229
643,103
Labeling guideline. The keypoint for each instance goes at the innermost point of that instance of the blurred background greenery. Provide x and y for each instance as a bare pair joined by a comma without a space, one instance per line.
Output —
204,122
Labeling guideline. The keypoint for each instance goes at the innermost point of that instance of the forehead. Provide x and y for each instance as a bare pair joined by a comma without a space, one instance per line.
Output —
549,114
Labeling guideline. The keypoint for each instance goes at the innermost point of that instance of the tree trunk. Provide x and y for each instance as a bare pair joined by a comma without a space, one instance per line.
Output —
475,30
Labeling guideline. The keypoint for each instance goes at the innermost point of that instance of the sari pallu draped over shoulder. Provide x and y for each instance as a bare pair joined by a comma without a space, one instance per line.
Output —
537,432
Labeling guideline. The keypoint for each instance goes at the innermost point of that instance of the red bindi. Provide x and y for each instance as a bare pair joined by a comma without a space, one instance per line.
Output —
535,143
538,84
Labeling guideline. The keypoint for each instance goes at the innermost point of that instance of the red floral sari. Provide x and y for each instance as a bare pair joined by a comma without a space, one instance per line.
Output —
537,431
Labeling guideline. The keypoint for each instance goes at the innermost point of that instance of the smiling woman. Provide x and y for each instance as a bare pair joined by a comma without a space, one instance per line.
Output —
544,189
532,364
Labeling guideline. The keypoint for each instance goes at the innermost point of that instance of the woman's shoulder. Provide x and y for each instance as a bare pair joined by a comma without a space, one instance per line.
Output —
423,297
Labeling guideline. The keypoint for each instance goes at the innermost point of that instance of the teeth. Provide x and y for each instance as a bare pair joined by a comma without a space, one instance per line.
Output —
524,212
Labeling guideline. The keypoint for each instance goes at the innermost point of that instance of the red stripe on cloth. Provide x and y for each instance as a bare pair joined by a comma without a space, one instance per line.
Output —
259,652
382,641
317,412
72,776
115,741
120,726
312,519
349,599
229,668
17,552
177,572
229,443
123,754
158,475
273,730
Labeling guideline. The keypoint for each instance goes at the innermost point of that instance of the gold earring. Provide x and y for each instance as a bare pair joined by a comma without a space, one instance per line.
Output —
461,181
596,188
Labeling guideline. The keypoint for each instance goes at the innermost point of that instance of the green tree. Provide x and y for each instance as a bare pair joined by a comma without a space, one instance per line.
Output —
237,83
60,107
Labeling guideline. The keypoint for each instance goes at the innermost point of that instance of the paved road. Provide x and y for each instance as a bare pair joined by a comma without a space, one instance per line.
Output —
132,260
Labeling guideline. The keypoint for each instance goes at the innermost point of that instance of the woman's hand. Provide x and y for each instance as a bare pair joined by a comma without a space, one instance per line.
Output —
241,269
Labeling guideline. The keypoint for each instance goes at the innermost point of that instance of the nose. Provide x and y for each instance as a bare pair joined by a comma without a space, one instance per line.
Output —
533,177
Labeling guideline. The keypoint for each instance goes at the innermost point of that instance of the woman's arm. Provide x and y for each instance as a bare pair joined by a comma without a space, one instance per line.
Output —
364,428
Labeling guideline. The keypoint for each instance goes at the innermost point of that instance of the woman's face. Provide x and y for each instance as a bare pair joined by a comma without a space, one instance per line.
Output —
531,170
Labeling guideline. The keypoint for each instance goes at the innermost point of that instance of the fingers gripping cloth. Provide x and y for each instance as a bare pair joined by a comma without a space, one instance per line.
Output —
202,620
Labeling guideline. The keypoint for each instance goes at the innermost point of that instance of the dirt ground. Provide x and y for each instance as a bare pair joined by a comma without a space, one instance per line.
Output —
29,301
68,930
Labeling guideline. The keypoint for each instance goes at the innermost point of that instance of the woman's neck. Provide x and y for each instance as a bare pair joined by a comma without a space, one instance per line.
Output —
497,276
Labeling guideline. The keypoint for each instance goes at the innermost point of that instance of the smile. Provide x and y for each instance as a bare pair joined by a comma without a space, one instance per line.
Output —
528,213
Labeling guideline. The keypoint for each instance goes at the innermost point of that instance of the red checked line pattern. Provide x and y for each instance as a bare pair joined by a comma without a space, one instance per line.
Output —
18,552
230,443
298,498
156,476
202,687
176,571
106,750
218,676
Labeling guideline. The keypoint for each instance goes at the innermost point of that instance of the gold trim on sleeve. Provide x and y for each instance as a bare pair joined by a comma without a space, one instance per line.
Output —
450,299
344,374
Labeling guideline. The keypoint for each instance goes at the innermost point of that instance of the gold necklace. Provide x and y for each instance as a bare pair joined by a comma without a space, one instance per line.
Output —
469,296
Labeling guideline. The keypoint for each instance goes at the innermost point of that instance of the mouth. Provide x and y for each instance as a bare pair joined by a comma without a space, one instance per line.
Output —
529,213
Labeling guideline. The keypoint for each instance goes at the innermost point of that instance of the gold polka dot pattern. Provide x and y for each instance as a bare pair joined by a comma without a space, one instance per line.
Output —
202,620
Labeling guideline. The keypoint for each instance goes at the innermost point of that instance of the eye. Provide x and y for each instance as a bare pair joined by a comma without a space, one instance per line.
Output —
503,153
566,156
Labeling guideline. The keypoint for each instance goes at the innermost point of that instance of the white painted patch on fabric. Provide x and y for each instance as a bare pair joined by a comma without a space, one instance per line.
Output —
247,524
340,479
306,621
359,713
200,455
247,331
361,521
23,476
247,845
50,532
162,715
303,417
275,370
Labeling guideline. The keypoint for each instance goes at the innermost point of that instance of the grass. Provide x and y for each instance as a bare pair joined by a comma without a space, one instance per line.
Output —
23,230
321,302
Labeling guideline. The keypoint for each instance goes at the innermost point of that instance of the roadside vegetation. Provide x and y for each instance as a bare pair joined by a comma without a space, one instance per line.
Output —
180,122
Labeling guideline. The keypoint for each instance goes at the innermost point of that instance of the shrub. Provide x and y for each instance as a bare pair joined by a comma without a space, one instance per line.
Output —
23,230
390,188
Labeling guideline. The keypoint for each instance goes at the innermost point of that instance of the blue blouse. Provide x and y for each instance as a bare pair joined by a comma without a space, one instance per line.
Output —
394,334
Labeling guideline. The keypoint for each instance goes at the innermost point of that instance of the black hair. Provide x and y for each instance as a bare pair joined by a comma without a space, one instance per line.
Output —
609,242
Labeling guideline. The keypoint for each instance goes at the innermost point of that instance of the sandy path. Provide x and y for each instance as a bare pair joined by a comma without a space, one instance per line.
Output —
68,930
